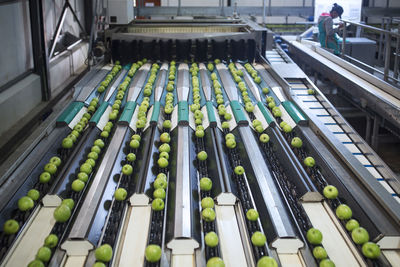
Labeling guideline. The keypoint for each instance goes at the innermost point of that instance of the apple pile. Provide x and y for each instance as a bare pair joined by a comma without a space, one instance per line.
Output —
253,73
236,75
359,234
107,81
43,254
276,112
195,107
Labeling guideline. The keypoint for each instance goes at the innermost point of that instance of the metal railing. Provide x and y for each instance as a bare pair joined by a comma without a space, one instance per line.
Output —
387,47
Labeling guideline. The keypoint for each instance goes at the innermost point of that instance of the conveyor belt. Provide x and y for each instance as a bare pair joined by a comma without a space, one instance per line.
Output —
279,186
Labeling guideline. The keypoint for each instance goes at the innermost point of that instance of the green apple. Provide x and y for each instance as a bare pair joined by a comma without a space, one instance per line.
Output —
67,143
120,194
96,149
165,138
310,91
160,183
230,143
326,263
207,202
199,133
225,125
271,104
36,263
211,239
264,138
93,155
127,169
51,241
86,168
314,236
267,261
77,185
10,227
90,109
153,253
249,107
56,161
202,156
104,253
257,80
352,224
319,253
99,264
270,99
227,117
239,170
309,162
50,168
205,184
131,157
91,162
44,177
104,134
258,239
229,136
287,128
25,203
157,204
164,148
256,123
107,128
215,262
371,250
164,155
62,213
252,215
296,142
43,254
33,194
167,124
162,162
343,212
330,192
101,89
99,143
83,176
69,202
74,133
208,214
259,129
159,193
360,235
265,90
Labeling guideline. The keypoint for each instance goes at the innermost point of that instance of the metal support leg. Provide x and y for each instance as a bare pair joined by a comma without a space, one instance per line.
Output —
380,42
344,40
368,130
387,56
396,56
375,133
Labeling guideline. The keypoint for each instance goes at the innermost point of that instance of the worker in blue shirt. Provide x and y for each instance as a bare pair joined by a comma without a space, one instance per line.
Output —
328,36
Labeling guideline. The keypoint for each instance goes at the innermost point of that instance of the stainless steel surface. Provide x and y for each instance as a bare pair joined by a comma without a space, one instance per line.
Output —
205,81
90,204
160,83
114,86
183,82
138,82
86,85
375,29
227,82
182,221
270,193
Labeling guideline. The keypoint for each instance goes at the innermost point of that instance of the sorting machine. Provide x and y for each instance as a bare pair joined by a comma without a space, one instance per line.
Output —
287,194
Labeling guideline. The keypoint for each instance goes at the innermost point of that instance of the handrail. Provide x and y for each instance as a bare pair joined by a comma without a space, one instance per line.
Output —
371,28
388,38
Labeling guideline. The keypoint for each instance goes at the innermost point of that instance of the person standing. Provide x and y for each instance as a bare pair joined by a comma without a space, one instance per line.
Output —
328,36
